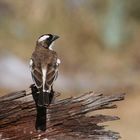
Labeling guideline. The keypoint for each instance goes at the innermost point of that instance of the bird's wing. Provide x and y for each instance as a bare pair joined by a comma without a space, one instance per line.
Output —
51,74
36,72
44,77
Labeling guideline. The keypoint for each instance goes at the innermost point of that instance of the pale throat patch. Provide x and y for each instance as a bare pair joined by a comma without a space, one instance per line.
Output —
44,37
51,46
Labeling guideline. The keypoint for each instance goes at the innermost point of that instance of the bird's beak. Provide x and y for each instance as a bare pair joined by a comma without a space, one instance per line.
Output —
55,37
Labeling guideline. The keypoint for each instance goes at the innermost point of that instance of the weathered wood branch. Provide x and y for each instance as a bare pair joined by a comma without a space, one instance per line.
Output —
67,118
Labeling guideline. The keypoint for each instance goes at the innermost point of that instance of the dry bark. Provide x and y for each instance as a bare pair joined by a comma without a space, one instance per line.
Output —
67,119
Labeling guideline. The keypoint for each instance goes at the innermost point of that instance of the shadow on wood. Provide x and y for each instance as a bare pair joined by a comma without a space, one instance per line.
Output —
67,118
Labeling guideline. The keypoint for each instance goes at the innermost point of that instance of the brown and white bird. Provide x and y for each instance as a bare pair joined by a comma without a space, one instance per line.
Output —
44,70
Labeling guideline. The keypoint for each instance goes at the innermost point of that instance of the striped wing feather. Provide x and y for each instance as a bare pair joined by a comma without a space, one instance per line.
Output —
51,75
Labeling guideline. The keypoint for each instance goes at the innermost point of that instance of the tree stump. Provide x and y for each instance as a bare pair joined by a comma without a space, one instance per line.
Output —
66,119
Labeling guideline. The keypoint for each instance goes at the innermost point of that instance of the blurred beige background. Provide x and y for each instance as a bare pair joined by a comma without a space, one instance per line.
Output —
98,48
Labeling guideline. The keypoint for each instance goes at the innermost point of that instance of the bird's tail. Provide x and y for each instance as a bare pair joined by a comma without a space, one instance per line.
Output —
41,118
44,99
41,110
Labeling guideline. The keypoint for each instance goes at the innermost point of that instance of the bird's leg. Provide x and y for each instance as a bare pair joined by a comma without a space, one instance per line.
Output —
51,98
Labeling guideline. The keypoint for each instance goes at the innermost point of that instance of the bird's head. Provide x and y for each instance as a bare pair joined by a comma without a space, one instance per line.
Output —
47,41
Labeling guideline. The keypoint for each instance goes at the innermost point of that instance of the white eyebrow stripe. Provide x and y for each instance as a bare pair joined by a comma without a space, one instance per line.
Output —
44,37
